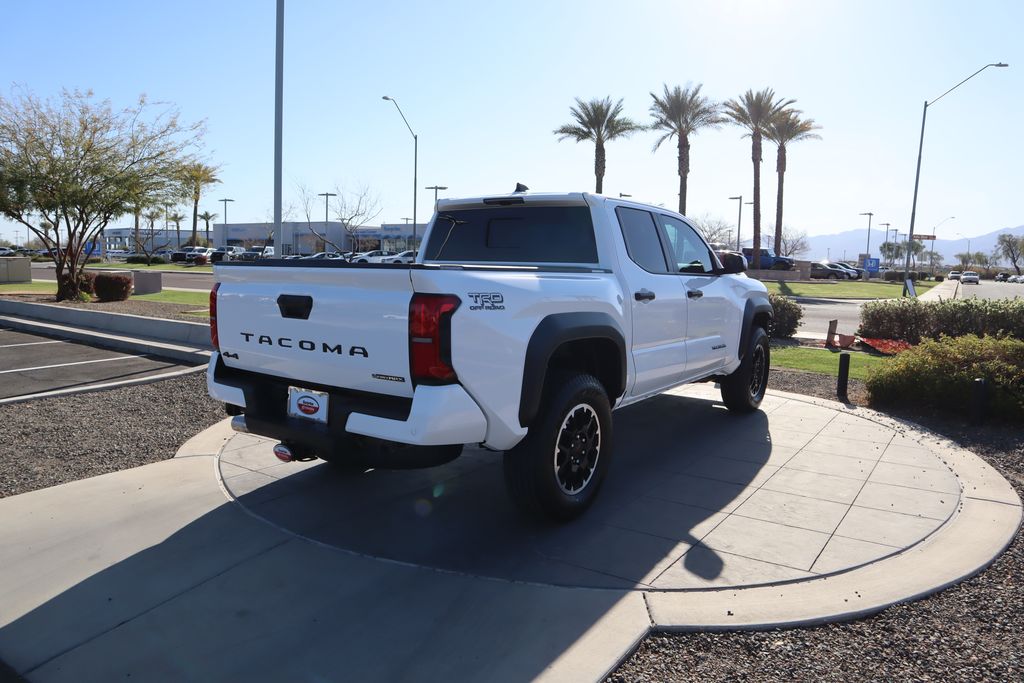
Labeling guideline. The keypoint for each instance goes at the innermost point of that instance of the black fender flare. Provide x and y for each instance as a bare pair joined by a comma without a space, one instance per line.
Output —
553,331
752,308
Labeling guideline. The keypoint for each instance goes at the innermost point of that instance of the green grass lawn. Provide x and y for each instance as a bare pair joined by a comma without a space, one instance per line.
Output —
29,288
170,296
823,361
845,290
175,267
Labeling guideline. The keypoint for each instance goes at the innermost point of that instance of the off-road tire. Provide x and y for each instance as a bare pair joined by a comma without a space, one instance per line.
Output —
557,470
743,390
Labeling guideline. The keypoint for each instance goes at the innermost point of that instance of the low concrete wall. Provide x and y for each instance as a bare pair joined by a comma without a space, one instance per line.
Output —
15,269
171,331
775,275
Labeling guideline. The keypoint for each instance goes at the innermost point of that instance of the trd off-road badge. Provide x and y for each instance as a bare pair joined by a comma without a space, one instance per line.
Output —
487,301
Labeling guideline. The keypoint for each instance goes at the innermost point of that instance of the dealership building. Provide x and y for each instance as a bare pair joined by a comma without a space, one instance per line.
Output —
296,237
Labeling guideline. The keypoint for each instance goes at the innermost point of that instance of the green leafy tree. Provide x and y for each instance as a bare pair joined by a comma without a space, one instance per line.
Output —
600,122
78,163
680,113
206,217
891,251
195,177
786,128
1011,248
916,248
753,111
965,259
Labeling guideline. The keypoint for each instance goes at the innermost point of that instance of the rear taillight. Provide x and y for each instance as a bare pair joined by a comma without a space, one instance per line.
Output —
214,340
430,338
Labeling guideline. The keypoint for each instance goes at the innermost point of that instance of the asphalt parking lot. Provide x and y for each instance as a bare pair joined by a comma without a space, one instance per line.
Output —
31,364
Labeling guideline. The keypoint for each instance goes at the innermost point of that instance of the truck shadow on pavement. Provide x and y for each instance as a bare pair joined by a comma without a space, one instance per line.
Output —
678,465
225,597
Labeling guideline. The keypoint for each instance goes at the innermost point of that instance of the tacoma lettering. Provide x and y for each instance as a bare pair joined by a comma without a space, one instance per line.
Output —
303,344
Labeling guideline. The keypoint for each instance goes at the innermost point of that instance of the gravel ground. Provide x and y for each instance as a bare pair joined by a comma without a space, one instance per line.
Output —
970,632
150,309
56,440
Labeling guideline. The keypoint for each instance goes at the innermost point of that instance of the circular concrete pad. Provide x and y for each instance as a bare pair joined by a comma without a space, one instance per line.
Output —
696,498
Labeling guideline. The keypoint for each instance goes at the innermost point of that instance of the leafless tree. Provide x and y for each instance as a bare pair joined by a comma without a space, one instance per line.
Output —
354,209
792,243
715,229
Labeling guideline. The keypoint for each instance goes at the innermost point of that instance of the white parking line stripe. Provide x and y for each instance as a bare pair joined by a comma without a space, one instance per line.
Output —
9,346
64,365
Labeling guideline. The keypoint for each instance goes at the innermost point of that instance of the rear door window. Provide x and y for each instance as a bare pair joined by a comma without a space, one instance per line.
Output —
517,234
640,233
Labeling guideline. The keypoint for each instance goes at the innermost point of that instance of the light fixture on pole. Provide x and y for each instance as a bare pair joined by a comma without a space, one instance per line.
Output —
623,195
225,201
739,220
435,188
327,199
920,148
867,250
415,163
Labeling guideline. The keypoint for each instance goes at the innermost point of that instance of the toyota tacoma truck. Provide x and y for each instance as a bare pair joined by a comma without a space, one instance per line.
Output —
524,322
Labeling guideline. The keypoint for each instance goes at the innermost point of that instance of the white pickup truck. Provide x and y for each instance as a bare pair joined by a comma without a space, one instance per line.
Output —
524,322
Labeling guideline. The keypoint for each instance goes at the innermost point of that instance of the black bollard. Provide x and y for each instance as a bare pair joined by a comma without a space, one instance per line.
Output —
979,406
844,376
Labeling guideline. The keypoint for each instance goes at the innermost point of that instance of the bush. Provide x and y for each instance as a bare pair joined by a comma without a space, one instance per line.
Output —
787,316
87,282
113,286
39,258
937,373
897,276
155,260
201,260
93,259
913,320
940,278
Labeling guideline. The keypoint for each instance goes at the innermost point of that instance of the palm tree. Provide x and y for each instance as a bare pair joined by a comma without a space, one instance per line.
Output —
601,122
682,112
783,129
753,111
195,176
177,217
206,217
152,215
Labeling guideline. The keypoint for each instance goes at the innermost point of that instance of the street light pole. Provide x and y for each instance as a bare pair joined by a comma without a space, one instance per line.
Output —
867,250
886,239
917,176
278,116
225,201
435,188
327,199
415,164
739,219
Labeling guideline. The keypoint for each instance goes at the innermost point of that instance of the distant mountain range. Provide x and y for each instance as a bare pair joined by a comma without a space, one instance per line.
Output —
852,243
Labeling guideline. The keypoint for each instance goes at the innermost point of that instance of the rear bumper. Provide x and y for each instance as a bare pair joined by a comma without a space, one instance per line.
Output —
435,416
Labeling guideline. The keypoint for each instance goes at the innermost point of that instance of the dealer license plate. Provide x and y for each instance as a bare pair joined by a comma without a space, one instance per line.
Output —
308,404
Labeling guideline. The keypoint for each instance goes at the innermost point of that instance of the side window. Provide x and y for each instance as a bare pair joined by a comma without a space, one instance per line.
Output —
688,254
642,242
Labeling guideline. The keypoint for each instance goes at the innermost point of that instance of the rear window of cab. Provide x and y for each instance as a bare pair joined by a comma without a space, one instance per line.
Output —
514,234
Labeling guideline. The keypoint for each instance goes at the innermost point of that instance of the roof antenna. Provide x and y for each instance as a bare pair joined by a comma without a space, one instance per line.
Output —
521,188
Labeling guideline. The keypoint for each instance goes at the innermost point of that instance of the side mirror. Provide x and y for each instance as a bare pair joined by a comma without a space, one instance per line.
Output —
732,262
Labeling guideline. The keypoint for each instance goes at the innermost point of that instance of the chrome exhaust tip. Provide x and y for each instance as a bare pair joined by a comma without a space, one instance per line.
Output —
238,424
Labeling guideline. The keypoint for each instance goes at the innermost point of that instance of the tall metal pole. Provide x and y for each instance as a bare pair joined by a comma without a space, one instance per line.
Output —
886,238
739,220
327,198
225,202
415,182
278,116
867,250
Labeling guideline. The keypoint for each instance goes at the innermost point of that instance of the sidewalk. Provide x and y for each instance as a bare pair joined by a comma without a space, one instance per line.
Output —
223,565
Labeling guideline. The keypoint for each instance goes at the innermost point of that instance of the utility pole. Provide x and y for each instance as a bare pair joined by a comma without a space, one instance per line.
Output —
867,250
739,219
278,118
327,199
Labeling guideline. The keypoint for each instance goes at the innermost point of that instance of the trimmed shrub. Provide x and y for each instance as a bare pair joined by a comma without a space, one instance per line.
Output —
113,286
87,282
913,320
93,259
934,373
897,276
155,260
787,316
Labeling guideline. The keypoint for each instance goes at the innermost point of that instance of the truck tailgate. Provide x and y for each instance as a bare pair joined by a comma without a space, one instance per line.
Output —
354,336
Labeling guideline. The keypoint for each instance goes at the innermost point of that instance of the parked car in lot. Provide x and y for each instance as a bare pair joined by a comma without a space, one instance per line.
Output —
255,253
403,257
1015,278
199,251
769,260
521,330
1002,277
969,276
182,254
225,253
372,256
825,271
954,275
321,255
861,272
4,251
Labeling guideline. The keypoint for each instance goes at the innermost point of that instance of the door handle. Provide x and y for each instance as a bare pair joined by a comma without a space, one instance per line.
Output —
644,295
694,293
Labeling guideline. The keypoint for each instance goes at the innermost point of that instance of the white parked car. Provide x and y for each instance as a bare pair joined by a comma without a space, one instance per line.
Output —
4,251
321,255
969,276
372,256
404,257
953,275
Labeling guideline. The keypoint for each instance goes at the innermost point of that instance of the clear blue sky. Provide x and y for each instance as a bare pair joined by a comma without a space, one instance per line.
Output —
484,84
